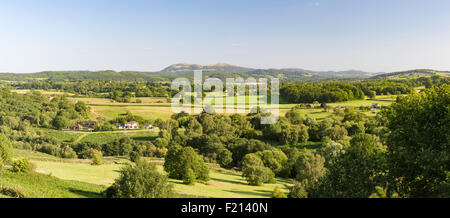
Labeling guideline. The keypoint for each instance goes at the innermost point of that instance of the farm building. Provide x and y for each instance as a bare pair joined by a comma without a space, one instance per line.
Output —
148,126
78,127
128,125
90,124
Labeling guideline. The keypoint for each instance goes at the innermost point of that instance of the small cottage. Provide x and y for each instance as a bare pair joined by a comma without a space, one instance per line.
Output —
78,127
148,126
90,124
128,125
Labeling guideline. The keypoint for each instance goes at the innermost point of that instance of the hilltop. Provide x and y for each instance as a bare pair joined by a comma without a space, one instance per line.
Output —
219,70
219,67
412,74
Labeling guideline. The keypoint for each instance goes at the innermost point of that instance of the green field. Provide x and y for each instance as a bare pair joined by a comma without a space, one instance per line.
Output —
223,183
157,107
45,92
150,110
37,185
100,137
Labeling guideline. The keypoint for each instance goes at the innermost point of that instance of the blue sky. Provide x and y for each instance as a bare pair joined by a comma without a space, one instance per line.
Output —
370,35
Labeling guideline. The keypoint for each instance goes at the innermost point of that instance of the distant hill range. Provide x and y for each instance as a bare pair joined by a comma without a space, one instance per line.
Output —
411,74
219,70
219,67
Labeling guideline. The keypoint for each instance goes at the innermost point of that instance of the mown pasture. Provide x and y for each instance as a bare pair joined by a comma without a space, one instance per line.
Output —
223,183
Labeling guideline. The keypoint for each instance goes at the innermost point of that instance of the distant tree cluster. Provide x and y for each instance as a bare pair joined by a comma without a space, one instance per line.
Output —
322,92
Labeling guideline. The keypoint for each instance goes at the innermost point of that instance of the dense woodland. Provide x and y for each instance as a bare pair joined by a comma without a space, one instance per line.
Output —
344,91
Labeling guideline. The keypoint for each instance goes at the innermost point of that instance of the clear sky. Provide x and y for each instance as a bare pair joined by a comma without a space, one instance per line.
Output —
369,35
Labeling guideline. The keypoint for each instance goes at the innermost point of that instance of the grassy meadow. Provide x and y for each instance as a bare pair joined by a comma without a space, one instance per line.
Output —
154,107
223,183
100,137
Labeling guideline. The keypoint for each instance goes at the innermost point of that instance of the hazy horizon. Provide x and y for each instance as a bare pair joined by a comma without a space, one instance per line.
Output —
319,35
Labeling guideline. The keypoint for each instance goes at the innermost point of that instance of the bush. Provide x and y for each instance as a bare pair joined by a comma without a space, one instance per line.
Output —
142,180
298,190
5,149
278,193
134,156
68,152
161,152
22,166
96,157
189,177
14,192
255,172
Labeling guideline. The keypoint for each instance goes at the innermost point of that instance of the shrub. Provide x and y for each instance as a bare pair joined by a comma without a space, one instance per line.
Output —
96,157
278,193
142,180
14,192
298,190
134,156
68,152
189,177
161,152
22,166
5,149
161,142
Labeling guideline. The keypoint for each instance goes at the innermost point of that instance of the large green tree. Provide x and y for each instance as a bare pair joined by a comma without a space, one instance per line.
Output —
419,142
180,161
354,173
255,172
142,180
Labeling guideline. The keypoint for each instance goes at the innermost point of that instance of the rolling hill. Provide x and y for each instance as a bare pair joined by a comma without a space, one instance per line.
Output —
219,70
411,74
219,67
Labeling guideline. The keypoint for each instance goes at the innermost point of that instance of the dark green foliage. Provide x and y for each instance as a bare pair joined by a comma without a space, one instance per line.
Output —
134,156
22,166
179,160
278,193
212,148
240,147
292,134
255,172
189,177
96,157
419,142
275,160
355,173
298,190
6,150
142,180
322,92
292,154
310,168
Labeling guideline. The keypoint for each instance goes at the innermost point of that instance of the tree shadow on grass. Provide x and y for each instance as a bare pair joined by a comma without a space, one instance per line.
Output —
259,193
229,181
144,138
88,194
